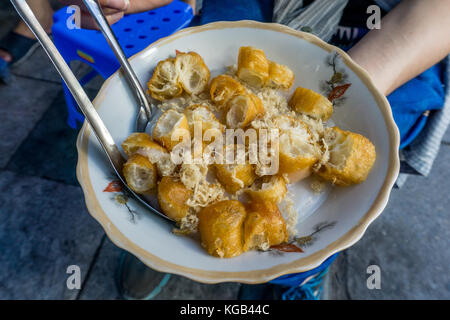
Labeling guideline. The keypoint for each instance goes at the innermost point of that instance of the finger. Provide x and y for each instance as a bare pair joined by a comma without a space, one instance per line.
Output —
88,22
118,5
145,5
121,5
115,17
106,11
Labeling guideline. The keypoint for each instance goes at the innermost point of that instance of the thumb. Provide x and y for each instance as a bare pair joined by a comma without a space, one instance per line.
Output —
88,22
121,5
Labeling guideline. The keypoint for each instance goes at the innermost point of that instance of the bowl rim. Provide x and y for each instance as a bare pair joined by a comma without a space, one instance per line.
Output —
256,276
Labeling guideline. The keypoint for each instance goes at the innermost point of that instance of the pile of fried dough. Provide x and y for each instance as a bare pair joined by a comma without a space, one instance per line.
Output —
235,207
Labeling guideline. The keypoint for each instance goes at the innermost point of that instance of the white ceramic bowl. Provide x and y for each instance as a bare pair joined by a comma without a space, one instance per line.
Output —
337,223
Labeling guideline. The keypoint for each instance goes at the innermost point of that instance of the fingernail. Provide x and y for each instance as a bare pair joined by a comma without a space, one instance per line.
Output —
127,4
115,17
119,4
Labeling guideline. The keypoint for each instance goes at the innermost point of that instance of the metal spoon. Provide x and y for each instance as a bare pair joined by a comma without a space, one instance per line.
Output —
145,109
92,117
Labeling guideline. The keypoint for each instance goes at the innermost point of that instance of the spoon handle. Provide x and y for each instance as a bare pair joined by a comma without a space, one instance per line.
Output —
92,117
72,83
133,81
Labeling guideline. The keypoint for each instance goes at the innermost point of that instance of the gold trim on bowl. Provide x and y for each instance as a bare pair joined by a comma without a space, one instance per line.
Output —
257,276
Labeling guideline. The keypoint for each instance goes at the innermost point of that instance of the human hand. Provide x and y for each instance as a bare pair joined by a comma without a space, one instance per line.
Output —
112,9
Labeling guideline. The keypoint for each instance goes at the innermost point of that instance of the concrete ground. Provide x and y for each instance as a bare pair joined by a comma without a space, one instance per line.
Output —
45,227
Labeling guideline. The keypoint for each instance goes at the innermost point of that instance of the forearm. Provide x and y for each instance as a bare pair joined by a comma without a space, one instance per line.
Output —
413,36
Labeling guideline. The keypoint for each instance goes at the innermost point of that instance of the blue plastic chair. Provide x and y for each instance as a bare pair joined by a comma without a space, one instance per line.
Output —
296,279
134,32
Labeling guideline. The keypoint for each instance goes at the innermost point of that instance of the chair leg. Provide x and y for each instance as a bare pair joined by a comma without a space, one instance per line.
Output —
88,77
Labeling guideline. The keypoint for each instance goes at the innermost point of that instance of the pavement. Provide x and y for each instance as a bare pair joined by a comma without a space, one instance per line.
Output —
45,227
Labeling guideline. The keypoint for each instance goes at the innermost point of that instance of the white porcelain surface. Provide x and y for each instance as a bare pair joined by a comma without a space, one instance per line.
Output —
350,210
